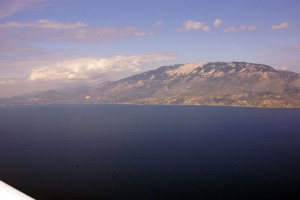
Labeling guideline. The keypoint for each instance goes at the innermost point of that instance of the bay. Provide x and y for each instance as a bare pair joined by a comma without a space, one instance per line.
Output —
150,152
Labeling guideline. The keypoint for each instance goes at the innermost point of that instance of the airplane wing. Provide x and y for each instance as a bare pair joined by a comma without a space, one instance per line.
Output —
9,193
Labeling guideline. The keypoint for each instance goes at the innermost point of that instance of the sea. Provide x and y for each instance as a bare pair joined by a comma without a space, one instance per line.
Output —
109,151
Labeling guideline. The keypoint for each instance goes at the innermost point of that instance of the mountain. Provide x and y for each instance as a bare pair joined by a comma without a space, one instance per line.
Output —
214,83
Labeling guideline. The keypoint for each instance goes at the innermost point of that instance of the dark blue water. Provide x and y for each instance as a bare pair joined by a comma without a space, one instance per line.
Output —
150,152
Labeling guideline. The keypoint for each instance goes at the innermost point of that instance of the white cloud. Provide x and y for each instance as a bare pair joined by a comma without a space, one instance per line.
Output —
218,22
139,33
91,69
10,7
46,30
249,27
194,25
241,28
230,29
7,82
99,34
20,54
280,26
44,24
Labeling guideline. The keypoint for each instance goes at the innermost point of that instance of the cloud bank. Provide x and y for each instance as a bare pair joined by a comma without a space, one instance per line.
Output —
44,24
47,30
7,82
10,7
96,69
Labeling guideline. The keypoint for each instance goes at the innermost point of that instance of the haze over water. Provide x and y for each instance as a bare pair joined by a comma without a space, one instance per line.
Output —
150,152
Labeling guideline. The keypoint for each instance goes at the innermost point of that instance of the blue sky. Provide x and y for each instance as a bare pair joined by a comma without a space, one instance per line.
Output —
49,44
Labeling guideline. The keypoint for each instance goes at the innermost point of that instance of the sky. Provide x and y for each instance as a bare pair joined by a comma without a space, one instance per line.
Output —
53,44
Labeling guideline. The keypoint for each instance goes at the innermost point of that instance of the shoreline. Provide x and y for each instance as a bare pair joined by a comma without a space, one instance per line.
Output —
135,104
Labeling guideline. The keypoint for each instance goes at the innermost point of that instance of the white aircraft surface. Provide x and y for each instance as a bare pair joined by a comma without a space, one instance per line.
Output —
9,193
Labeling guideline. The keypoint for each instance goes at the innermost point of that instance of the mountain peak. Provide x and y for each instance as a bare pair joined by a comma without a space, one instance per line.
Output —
252,67
217,69
184,69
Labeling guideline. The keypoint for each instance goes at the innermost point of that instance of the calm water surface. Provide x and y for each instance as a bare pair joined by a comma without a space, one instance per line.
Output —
150,152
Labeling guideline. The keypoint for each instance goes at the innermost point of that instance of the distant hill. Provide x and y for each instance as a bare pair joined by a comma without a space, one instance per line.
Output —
214,83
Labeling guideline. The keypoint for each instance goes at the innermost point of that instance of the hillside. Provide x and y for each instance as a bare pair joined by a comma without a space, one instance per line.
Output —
216,83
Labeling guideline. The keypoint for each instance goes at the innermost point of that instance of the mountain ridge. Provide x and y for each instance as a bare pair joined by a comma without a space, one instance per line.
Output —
212,83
